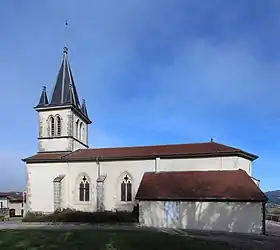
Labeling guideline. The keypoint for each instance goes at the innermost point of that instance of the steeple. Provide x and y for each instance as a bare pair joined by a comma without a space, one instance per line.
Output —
64,92
43,99
63,85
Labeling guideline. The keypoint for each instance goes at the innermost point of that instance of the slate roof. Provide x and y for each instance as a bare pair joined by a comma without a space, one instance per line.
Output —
65,91
235,185
44,98
206,149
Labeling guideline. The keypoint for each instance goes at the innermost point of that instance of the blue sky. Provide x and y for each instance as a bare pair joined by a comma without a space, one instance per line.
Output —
152,72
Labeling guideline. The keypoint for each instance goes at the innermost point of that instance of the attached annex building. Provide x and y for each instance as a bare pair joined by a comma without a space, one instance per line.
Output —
197,186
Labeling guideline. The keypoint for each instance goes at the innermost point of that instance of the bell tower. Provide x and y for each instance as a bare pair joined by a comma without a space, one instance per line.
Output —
63,122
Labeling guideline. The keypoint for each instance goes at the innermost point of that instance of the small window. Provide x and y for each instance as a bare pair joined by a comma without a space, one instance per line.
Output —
51,126
58,125
1,204
126,189
84,190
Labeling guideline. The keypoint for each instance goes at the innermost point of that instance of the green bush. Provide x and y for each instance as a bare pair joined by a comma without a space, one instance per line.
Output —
68,215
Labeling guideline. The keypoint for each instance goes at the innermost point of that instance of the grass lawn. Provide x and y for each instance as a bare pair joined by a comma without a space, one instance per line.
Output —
95,240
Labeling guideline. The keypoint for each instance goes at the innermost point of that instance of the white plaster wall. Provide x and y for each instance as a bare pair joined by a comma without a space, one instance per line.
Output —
204,164
77,145
4,202
42,175
56,144
219,216
115,171
76,171
18,206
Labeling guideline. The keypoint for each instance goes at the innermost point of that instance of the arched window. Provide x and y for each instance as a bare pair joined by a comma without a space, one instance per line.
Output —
84,135
84,189
126,189
81,131
51,126
58,125
77,129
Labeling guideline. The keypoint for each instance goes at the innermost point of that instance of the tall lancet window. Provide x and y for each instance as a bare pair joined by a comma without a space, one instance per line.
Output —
77,129
84,189
84,135
126,189
58,125
52,129
80,131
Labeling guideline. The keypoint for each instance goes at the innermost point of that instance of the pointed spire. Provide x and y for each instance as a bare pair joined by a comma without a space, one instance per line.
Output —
62,87
65,92
84,108
44,98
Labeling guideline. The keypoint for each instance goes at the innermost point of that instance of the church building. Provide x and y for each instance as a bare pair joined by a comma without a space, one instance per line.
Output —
198,185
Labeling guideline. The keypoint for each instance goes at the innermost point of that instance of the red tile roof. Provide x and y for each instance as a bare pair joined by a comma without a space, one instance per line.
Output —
45,156
207,149
234,185
13,196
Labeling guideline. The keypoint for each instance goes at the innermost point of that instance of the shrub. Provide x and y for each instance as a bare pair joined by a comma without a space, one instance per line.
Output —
68,215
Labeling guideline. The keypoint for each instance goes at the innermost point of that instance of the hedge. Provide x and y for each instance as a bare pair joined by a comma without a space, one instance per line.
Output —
68,215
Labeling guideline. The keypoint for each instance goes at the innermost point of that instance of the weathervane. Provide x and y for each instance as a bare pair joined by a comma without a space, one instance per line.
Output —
66,25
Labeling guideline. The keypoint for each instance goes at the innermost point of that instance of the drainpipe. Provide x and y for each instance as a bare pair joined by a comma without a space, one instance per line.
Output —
98,166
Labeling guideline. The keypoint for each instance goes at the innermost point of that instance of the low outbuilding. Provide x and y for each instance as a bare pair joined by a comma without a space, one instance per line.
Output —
202,200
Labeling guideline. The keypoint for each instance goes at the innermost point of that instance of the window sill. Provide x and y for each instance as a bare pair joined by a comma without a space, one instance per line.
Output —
127,202
83,203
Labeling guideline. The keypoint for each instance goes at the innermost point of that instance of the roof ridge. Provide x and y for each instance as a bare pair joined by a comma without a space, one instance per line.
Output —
159,145
196,171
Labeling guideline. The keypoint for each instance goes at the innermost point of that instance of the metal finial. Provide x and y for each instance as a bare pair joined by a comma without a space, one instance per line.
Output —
212,140
44,88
